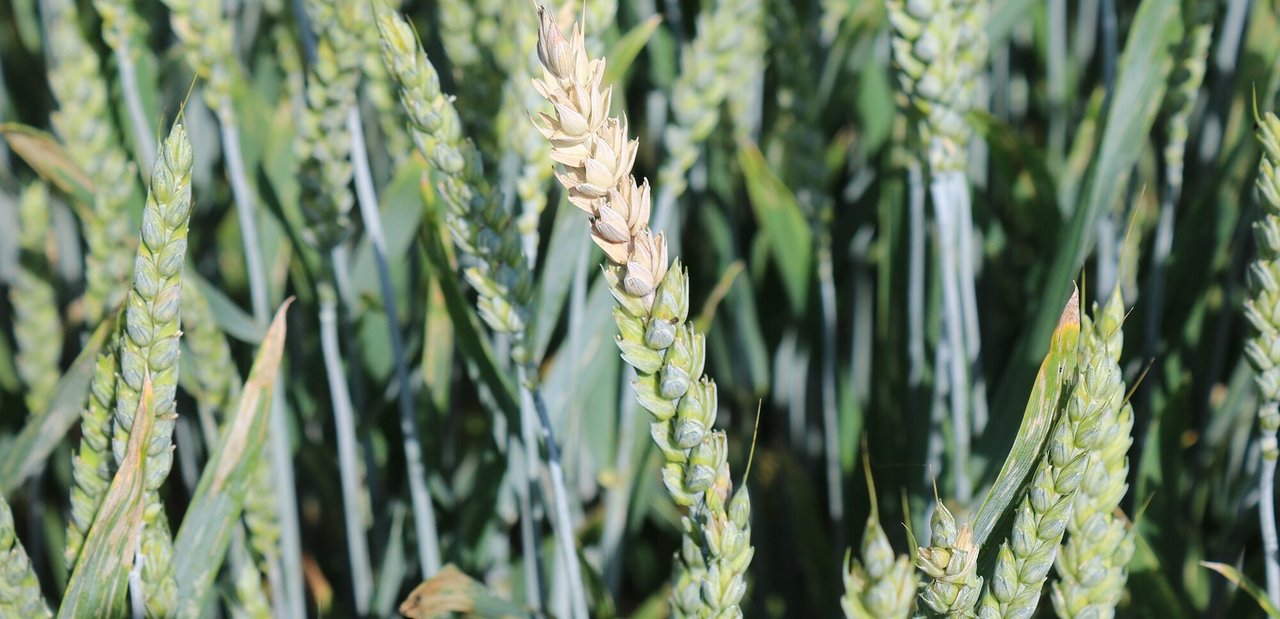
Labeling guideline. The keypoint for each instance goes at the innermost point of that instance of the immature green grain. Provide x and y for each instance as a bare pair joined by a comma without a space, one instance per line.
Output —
939,49
594,158
1262,308
1025,559
950,563
479,226
880,585
208,48
93,466
707,78
1191,57
37,321
84,124
150,346
1091,563
19,589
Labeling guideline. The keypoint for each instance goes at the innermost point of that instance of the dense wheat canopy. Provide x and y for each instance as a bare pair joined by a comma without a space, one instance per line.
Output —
682,308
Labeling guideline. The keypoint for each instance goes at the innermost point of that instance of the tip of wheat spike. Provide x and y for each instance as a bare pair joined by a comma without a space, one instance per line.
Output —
1071,313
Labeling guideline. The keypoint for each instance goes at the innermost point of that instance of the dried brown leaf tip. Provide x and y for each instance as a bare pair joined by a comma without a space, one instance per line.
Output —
1071,313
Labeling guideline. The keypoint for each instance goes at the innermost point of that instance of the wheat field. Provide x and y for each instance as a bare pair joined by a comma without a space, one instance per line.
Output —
691,308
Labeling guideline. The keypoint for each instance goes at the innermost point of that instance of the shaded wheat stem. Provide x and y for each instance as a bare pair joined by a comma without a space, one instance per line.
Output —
348,452
830,424
424,515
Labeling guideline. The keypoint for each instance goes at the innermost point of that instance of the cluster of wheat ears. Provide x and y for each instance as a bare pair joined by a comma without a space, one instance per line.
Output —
525,427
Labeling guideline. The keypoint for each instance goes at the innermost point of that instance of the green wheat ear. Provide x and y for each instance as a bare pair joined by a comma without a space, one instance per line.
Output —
19,590
879,585
150,347
1091,563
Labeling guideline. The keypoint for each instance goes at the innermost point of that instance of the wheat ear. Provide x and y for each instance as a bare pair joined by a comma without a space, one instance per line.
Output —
37,321
19,589
83,122
483,233
1091,563
150,347
1025,558
951,564
1262,308
880,585
593,157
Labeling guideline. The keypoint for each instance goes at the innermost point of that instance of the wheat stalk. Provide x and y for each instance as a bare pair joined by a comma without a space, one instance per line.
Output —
152,327
121,27
594,158
83,122
1091,563
1263,349
19,590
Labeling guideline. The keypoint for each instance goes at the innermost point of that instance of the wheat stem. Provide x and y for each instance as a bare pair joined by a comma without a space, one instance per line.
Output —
830,424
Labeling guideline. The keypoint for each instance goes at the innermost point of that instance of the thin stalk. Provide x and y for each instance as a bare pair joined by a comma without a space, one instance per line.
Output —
1268,424
1160,250
830,424
246,216
137,116
616,503
281,451
969,301
915,274
1267,515
946,215
560,497
424,515
528,533
1225,61
348,453
529,449
1056,69
286,579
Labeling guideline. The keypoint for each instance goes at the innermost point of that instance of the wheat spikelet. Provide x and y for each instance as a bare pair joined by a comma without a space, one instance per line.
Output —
951,564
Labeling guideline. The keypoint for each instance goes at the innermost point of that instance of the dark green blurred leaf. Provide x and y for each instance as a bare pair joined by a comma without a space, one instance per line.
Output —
782,222
625,50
